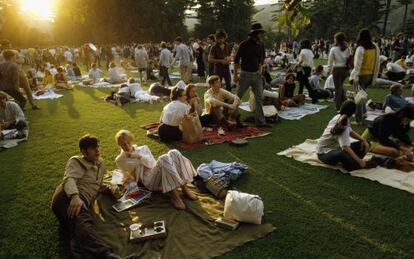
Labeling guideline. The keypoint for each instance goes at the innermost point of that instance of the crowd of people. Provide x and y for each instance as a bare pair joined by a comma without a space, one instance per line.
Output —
223,65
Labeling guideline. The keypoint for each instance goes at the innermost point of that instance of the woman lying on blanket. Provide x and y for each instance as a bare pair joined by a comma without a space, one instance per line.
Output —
172,115
287,91
167,174
61,81
388,133
195,105
334,146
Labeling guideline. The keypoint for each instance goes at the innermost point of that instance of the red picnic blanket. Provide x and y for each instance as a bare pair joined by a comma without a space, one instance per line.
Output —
211,136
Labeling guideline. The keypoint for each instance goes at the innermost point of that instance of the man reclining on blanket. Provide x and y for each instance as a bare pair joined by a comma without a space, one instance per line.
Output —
11,117
73,199
221,104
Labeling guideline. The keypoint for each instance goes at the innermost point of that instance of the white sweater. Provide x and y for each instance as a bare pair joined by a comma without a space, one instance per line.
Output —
337,58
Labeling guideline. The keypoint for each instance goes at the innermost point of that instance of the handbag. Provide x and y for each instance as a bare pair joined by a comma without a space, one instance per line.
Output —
243,207
216,186
191,128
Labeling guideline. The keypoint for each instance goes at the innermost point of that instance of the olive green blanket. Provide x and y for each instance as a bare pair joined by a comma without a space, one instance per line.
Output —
190,233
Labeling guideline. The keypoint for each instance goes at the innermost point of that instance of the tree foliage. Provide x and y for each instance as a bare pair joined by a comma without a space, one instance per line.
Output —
235,17
323,18
108,21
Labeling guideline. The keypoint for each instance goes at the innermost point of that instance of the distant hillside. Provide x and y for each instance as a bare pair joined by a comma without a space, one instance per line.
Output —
265,15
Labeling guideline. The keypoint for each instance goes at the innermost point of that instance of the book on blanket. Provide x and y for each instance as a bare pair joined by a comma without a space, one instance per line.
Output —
125,204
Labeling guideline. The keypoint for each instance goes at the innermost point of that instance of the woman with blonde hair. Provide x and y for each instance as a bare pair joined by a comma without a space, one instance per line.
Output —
170,172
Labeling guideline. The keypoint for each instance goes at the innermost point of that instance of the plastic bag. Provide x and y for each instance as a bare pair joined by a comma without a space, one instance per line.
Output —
243,207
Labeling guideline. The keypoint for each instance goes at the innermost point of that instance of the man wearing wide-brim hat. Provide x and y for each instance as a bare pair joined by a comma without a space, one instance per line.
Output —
250,58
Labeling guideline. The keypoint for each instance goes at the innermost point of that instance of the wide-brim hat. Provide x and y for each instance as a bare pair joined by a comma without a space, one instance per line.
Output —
256,28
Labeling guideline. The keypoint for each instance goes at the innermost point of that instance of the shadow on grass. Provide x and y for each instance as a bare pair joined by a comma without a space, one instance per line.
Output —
69,101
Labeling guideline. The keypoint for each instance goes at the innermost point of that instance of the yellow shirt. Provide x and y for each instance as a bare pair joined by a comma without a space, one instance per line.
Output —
401,62
368,63
48,80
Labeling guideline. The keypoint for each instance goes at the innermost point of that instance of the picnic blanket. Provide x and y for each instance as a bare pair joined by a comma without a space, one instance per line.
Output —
190,233
268,110
50,94
373,114
292,113
10,143
306,153
297,113
211,136
101,85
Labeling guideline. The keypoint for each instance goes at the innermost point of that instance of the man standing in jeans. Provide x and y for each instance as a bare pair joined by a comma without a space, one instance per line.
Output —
220,57
182,53
165,63
250,57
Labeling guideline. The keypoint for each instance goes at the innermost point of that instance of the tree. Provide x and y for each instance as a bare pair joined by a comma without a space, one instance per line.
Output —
235,17
109,21
405,3
323,18
387,11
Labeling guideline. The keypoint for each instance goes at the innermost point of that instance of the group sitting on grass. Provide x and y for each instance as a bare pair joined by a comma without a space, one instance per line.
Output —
73,199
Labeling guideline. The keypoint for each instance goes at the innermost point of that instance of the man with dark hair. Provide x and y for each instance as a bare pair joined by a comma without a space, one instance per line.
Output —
211,39
165,63
250,57
23,81
9,77
73,199
220,57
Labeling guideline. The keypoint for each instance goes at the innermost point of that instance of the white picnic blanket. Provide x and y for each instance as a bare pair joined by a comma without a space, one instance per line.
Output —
145,97
101,85
9,143
297,113
268,110
306,153
49,94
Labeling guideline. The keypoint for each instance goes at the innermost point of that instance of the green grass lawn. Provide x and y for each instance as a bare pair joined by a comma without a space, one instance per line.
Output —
318,212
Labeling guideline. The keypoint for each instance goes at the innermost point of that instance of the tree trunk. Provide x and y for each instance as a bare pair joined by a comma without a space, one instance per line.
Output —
405,18
387,11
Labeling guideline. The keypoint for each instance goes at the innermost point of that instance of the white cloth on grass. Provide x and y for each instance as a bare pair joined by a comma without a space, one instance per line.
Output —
306,153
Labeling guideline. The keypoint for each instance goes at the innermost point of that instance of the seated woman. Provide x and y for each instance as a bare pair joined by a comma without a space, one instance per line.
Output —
113,75
172,115
11,116
287,91
334,146
170,172
94,74
195,105
315,90
395,100
61,81
388,133
70,72
76,71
